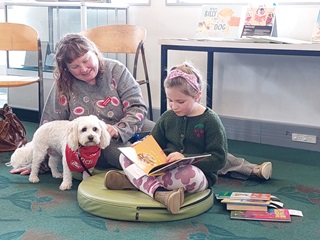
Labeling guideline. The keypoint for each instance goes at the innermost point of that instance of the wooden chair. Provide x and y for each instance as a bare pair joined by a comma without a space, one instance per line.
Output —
128,39
21,37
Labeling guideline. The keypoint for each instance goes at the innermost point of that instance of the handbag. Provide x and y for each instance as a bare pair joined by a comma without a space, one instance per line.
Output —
12,131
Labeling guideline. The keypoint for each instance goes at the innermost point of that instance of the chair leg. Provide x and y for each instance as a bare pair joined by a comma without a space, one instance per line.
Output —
149,101
40,98
144,61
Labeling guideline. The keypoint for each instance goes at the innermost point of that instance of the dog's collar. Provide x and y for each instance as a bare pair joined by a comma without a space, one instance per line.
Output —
88,150
83,158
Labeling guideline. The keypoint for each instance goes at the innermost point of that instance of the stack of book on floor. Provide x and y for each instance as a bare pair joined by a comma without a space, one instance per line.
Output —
254,206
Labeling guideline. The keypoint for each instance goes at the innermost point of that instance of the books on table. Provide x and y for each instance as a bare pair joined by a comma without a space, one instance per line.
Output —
219,22
258,21
150,159
279,40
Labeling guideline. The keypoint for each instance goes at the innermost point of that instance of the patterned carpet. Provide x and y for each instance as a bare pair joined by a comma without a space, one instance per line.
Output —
42,211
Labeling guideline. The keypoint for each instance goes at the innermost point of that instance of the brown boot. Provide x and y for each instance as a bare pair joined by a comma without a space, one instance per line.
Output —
171,199
181,190
115,180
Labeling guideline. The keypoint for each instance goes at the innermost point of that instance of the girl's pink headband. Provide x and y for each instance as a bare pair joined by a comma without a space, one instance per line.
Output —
190,78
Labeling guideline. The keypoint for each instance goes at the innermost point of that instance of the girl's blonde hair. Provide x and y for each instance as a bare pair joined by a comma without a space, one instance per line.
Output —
180,80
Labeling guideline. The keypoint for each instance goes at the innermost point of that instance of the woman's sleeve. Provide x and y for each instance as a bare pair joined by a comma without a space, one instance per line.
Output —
54,109
134,107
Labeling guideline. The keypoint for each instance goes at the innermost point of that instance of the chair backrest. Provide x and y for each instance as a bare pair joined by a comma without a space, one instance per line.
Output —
116,38
123,39
18,37
21,37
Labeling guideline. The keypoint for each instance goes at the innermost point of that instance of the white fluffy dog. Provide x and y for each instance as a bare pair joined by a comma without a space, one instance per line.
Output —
62,137
21,160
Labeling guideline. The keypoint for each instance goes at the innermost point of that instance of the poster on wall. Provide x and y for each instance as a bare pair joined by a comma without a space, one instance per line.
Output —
258,21
219,21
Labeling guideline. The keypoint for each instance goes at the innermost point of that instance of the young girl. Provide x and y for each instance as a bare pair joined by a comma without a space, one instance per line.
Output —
187,129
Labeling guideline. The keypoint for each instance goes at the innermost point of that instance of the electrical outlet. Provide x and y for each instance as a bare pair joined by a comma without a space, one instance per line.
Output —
296,137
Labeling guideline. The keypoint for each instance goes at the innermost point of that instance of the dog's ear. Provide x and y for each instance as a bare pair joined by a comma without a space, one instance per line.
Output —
73,141
105,136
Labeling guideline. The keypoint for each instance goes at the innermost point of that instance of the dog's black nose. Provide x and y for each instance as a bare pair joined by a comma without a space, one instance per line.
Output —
90,138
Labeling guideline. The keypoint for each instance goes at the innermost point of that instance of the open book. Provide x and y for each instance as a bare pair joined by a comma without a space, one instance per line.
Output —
150,159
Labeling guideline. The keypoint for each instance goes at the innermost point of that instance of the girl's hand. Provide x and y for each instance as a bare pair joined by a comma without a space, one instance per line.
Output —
174,156
112,131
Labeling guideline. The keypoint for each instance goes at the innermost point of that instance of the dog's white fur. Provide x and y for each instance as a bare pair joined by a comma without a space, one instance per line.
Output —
21,157
52,138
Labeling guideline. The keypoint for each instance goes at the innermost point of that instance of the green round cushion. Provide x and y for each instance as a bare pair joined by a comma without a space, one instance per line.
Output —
131,205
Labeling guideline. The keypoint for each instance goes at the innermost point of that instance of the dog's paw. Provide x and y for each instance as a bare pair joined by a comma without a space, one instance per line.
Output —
57,175
65,186
34,179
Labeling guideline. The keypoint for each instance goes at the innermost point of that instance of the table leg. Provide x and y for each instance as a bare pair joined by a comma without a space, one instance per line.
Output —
164,66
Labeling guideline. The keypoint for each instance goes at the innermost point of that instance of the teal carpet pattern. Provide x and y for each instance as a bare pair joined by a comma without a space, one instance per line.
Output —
42,211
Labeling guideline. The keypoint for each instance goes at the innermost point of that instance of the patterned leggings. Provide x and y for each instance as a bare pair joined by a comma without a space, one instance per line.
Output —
189,177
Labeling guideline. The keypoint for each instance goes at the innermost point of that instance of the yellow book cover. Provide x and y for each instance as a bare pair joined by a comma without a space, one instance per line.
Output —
151,159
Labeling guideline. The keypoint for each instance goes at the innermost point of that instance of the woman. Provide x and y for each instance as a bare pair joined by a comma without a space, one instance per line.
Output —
88,84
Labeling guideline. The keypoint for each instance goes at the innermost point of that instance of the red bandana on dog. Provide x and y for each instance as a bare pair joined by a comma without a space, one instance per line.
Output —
89,156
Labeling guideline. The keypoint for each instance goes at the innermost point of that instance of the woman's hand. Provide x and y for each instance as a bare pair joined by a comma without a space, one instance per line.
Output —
112,131
23,171
174,156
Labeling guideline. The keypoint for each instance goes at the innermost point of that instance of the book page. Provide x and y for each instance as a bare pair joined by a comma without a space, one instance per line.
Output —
161,169
151,159
146,154
135,171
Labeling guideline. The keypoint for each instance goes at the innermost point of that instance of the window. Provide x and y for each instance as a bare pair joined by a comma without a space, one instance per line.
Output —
131,2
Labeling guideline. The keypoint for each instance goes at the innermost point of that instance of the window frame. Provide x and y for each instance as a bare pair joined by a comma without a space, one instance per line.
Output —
132,2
